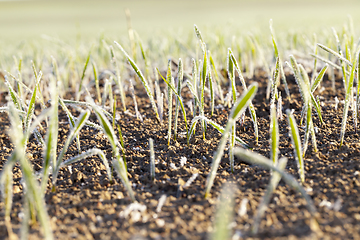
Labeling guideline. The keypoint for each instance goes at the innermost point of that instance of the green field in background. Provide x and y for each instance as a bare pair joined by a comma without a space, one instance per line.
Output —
22,20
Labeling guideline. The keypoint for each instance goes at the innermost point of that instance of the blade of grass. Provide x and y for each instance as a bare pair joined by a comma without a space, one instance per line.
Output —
281,68
71,121
169,79
347,99
217,79
83,74
143,80
118,77
179,98
118,162
251,106
32,186
51,139
274,135
296,142
96,81
180,78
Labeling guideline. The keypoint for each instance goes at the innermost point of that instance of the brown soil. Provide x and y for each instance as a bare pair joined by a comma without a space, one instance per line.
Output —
87,206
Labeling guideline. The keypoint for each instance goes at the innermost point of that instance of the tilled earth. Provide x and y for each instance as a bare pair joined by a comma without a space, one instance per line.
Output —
87,206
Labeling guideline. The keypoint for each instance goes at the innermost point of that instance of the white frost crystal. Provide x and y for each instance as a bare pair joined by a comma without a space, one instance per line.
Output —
134,210
183,161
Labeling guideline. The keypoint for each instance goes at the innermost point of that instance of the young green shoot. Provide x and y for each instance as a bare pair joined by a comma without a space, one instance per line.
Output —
83,75
6,189
238,108
118,77
306,91
72,120
96,78
138,115
32,187
172,88
251,106
170,80
118,162
281,68
143,80
274,135
80,123
51,139
296,142
180,78
349,89
217,78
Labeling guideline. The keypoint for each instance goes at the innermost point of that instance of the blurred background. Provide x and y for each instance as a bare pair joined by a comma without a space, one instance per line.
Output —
71,20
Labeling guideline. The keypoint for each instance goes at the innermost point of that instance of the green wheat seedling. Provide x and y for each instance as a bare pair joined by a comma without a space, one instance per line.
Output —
274,135
217,79
131,87
121,143
71,120
96,78
274,83
306,91
257,159
204,74
80,123
349,89
231,74
83,75
224,213
143,80
193,85
274,181
348,81
118,77
32,188
51,161
180,78
146,61
170,80
20,80
172,88
238,108
16,100
159,95
251,106
296,142
49,154
281,68
6,188
118,162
